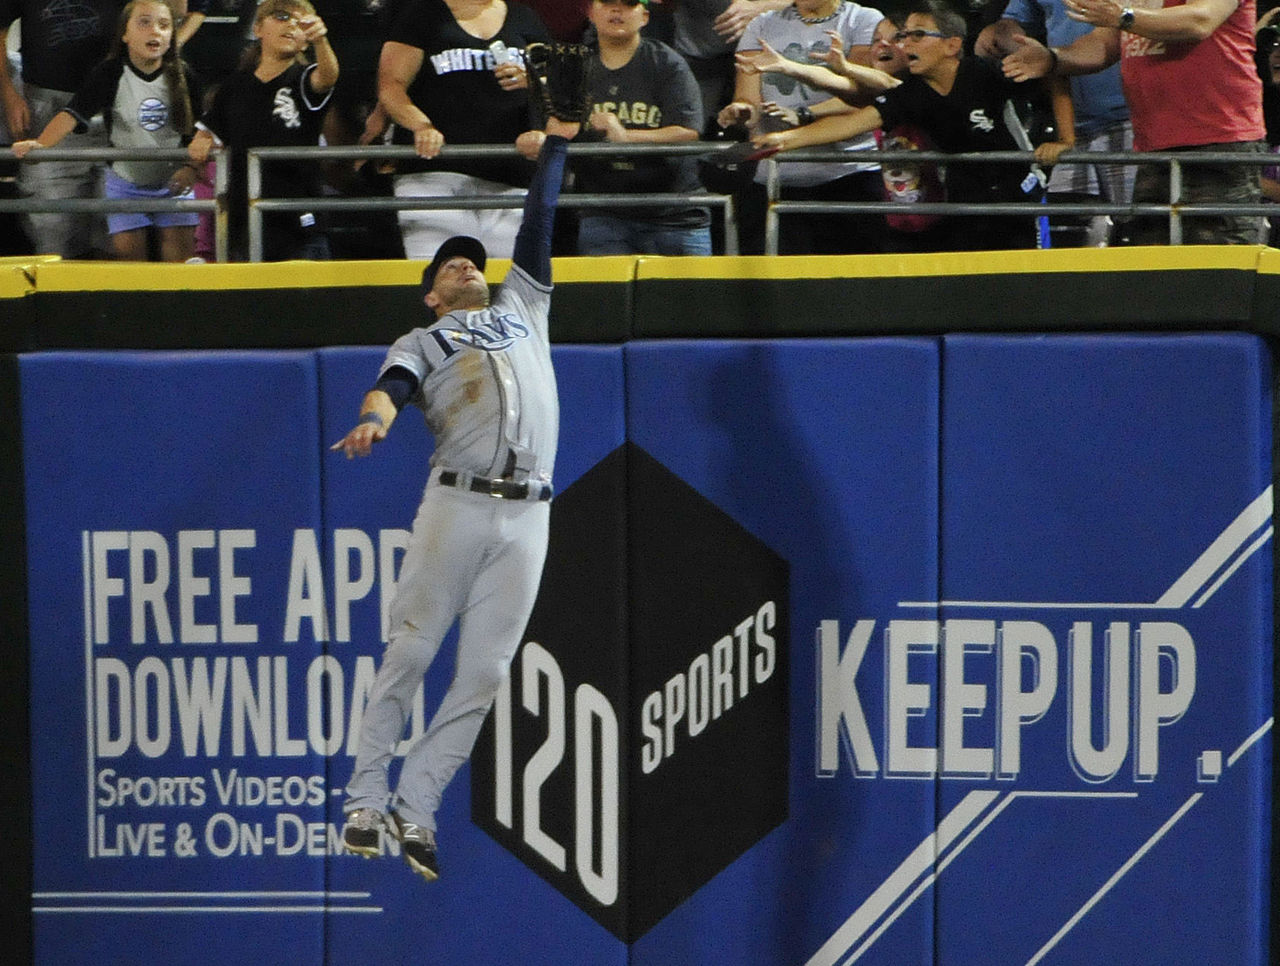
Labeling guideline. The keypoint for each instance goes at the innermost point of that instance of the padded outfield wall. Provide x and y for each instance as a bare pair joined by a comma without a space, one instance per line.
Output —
897,611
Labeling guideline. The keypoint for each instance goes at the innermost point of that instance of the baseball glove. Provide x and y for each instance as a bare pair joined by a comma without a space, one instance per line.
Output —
558,80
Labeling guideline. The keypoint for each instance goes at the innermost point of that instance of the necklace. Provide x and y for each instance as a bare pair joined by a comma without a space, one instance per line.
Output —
816,20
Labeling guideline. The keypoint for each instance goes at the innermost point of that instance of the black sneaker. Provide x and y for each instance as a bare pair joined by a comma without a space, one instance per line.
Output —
360,834
417,844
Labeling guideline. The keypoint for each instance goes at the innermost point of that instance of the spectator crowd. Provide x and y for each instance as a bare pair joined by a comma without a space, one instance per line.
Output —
218,77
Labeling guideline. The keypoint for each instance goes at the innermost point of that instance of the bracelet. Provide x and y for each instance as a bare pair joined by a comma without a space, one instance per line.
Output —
1053,66
372,417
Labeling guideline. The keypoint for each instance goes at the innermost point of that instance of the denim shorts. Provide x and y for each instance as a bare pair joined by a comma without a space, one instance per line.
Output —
117,188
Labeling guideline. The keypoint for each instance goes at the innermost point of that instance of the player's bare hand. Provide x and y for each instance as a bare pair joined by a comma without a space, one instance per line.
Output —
739,112
730,24
1030,61
359,442
608,125
530,143
427,141
511,76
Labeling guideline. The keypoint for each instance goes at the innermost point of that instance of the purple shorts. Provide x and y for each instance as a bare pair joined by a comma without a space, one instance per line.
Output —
117,188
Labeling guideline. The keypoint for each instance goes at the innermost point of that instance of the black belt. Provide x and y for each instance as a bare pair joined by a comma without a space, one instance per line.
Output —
502,489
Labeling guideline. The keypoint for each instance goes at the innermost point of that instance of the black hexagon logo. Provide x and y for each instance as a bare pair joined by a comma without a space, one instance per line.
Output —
641,743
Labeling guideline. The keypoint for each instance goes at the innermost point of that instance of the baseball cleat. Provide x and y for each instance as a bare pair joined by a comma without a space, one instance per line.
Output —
360,834
417,845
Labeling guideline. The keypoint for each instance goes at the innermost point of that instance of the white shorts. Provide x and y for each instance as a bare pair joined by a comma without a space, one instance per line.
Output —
423,231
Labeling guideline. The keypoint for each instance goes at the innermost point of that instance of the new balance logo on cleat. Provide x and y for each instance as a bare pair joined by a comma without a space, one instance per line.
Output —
360,833
417,845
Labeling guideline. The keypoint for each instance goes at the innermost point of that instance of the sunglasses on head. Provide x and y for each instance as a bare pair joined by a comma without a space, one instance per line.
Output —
285,16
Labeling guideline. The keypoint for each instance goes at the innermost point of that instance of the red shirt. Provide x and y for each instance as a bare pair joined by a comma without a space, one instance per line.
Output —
1186,94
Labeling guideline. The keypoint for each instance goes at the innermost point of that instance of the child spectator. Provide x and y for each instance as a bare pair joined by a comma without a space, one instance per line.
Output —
143,92
277,99
904,182
642,92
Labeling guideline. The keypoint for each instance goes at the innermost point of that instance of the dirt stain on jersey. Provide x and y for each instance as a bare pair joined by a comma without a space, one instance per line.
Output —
471,370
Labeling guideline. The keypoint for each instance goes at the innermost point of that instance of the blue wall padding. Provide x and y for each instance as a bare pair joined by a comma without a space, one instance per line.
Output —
975,514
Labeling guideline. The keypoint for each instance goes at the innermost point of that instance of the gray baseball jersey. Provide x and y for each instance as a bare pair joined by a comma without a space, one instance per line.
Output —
488,390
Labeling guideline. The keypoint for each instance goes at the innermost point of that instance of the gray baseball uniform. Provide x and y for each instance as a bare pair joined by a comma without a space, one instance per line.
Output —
487,389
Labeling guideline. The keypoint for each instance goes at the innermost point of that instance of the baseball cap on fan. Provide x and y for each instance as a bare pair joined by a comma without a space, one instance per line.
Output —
463,245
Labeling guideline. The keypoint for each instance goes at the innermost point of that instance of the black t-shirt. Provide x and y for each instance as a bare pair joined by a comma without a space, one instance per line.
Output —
654,89
61,42
281,112
457,90
970,118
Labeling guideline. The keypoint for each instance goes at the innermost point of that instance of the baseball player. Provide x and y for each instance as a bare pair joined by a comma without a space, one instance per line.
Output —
482,375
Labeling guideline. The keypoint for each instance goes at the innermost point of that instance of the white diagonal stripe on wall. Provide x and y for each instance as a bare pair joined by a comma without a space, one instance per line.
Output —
1254,516
918,863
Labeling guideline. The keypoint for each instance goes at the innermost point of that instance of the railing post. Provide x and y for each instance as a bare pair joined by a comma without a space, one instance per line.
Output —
730,227
773,188
1175,199
221,187
255,213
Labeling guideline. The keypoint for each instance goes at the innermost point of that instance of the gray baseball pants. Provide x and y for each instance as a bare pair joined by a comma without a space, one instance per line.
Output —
473,557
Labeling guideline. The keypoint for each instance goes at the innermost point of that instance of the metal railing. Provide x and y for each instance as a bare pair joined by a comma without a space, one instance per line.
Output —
258,204
1174,209
215,205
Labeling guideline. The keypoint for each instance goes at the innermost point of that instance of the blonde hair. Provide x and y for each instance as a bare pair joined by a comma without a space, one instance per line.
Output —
268,8
170,63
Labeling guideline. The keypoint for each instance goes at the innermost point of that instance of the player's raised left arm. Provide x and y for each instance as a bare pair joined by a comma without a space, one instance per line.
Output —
532,250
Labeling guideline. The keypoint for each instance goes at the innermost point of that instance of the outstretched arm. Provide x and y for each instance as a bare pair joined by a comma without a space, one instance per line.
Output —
825,130
1097,50
382,403
59,126
533,241
1191,21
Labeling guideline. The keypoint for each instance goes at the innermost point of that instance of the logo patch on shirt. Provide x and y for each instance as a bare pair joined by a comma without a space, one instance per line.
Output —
286,108
153,114
978,118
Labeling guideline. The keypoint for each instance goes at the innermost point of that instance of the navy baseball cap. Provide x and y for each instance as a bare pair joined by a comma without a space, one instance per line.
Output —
463,245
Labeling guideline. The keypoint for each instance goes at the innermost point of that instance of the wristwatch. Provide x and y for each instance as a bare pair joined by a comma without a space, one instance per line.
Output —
1126,18
804,115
